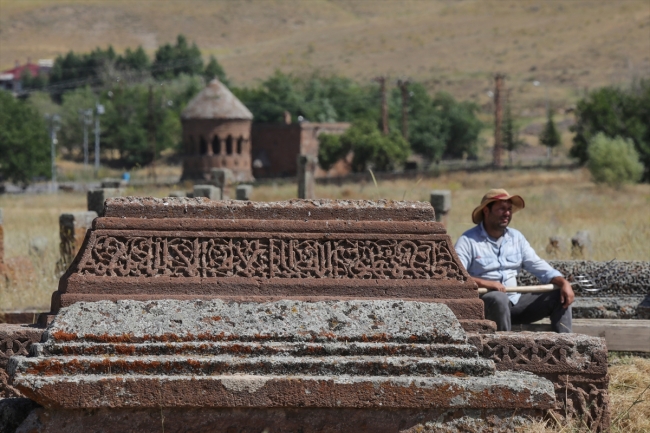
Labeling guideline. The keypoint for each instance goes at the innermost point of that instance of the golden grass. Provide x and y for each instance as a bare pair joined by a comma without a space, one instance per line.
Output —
453,46
629,393
558,203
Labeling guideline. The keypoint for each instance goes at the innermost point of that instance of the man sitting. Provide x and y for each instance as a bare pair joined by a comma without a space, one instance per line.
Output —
493,254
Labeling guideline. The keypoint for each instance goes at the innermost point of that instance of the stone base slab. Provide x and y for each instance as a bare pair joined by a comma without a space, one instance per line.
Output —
503,390
276,420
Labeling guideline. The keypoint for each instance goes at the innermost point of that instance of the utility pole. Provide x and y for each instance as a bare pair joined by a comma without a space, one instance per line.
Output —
54,121
99,110
403,85
384,104
498,119
87,119
152,134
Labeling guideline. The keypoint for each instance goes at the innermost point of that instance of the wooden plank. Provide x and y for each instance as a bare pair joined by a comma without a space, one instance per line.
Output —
620,334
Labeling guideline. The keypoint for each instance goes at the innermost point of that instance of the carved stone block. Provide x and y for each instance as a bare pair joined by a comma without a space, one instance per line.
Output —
14,340
575,363
194,248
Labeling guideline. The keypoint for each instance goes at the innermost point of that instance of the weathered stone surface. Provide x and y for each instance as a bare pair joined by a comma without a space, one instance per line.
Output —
575,363
345,354
14,340
277,420
643,309
295,321
379,210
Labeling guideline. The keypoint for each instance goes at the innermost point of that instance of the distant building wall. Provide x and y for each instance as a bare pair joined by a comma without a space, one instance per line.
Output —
275,148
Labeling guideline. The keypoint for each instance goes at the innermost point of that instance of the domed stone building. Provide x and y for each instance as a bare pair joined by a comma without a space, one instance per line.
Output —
216,134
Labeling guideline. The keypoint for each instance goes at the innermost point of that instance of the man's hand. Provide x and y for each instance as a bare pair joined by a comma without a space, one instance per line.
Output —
566,291
492,285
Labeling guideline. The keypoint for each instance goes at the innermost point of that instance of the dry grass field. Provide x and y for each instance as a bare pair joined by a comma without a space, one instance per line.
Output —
451,45
557,203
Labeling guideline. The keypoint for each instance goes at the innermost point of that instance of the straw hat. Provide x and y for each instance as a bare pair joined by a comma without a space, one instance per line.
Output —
496,195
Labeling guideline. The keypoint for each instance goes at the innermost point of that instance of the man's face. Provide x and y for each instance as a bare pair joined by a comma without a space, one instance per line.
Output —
499,216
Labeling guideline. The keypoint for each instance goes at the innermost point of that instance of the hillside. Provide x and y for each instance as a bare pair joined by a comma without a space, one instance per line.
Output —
450,45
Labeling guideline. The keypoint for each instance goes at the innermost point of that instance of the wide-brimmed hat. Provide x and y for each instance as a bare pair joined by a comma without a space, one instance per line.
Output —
496,195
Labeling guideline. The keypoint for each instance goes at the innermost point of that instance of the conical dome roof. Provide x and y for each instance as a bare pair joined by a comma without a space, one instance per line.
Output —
216,102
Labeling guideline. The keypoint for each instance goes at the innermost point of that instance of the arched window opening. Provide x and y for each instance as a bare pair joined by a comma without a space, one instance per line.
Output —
229,145
240,143
203,146
216,145
191,146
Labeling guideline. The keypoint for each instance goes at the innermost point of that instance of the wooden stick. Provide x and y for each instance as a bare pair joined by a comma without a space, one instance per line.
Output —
525,289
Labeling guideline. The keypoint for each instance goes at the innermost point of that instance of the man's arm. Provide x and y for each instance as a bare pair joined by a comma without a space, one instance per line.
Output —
490,285
545,273
566,291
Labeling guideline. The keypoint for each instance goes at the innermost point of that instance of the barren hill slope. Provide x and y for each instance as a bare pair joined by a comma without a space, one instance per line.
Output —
452,45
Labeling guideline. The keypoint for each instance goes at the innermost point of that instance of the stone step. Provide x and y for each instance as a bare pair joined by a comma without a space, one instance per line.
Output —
256,349
171,321
268,365
506,390
620,334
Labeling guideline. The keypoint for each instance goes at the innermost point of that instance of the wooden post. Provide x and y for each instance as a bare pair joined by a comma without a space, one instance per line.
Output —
384,104
498,119
403,85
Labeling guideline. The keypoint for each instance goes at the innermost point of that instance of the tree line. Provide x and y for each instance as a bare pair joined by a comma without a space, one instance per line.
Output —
143,98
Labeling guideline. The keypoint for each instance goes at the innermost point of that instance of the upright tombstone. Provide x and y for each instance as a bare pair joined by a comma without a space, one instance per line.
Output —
223,179
244,192
306,170
4,270
441,202
287,316
208,191
72,232
2,239
97,197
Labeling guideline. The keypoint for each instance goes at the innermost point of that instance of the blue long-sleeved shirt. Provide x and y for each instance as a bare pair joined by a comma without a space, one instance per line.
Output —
501,259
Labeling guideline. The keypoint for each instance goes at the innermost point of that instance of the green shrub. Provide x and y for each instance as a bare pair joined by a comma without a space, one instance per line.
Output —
613,161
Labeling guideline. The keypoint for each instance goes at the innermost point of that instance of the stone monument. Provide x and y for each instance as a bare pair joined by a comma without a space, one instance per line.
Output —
305,315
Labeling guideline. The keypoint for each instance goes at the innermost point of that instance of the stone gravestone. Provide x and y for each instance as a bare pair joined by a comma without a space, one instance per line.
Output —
2,239
306,170
208,191
97,197
441,202
223,179
284,316
244,192
72,232
4,270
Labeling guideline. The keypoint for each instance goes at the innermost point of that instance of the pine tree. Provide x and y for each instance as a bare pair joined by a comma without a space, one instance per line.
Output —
511,139
550,137
214,70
